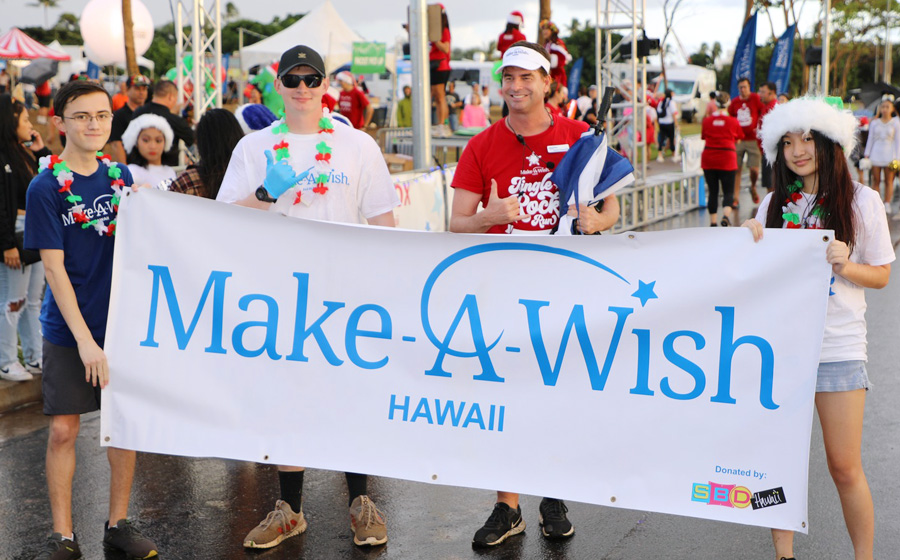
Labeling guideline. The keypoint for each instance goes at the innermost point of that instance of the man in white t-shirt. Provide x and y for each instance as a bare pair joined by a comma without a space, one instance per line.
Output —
308,166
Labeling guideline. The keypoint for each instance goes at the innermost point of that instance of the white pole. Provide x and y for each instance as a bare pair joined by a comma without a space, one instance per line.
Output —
888,58
240,85
218,80
421,84
826,40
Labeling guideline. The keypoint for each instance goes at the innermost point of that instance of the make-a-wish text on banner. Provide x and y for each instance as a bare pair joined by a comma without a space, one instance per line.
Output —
670,371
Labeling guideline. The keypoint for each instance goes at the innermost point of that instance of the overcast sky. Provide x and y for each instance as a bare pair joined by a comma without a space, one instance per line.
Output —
473,23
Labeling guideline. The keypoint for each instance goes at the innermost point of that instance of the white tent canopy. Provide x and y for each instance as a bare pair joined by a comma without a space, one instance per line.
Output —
322,28
79,62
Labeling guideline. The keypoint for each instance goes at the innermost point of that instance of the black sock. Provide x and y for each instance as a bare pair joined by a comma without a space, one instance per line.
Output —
291,488
356,485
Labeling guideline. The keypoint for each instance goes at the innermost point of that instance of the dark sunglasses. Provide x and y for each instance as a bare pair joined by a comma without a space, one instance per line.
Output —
292,81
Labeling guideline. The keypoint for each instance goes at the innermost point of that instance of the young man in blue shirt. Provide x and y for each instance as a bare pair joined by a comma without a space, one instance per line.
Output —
72,205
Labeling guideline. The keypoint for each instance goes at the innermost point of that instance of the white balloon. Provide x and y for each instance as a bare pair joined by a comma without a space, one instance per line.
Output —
104,34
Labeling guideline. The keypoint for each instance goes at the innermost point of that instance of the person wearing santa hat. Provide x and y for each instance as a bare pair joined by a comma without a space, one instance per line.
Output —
555,46
513,33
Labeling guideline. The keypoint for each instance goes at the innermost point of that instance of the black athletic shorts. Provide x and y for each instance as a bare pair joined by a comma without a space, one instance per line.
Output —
65,390
438,77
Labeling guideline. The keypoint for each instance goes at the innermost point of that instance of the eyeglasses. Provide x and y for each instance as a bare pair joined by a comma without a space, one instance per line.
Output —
84,118
292,81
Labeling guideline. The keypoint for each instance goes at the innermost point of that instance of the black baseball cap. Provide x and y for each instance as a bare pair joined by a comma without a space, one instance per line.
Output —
301,55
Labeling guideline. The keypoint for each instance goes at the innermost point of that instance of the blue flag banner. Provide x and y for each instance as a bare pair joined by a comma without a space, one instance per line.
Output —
575,77
744,63
780,67
93,71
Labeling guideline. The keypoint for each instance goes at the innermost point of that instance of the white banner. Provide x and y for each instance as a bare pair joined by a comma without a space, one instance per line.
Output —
670,371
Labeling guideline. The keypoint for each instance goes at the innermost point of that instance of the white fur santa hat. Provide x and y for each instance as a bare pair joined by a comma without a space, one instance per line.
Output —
147,120
515,18
802,115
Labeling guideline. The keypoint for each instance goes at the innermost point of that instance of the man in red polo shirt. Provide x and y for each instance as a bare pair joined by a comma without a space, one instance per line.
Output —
506,170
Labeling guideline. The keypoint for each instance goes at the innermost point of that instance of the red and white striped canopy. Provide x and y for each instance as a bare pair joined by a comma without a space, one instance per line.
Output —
15,44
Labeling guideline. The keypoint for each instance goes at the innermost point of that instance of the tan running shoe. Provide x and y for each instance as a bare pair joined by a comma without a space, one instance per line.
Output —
367,523
277,526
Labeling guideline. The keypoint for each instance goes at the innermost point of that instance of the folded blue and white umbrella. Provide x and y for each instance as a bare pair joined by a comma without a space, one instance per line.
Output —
590,171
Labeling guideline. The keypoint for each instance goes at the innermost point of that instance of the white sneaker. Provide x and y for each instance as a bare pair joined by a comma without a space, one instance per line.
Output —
660,158
14,371
34,368
676,159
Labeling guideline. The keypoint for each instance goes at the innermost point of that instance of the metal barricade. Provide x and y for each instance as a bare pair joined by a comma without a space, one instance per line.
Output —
395,140
659,198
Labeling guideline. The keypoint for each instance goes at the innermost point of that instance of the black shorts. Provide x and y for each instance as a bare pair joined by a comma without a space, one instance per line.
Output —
43,101
438,77
65,390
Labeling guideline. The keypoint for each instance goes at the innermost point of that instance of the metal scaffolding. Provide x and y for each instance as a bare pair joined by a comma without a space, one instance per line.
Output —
204,44
627,18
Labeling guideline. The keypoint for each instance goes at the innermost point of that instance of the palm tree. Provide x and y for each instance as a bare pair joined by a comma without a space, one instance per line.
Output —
128,27
46,4
544,14
231,12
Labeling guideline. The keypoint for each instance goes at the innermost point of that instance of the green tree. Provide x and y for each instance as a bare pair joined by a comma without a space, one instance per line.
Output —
66,31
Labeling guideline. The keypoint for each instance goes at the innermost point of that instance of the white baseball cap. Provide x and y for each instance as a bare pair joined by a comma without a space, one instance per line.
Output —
526,58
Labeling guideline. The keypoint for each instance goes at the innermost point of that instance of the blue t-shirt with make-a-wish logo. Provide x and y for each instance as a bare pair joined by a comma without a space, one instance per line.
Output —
88,255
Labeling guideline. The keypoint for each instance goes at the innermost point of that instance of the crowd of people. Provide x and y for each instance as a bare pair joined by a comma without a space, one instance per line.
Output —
252,159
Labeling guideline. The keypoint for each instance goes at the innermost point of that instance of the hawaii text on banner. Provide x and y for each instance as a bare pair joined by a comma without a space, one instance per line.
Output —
649,371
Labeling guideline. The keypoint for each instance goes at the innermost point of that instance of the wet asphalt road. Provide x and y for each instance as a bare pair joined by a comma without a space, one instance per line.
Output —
202,508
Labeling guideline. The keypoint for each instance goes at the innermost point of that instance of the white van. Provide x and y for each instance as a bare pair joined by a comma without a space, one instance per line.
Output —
691,85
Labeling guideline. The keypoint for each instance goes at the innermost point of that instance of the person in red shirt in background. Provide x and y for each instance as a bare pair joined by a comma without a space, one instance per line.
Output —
768,94
559,56
747,109
43,93
555,98
439,66
328,102
719,159
513,33
353,103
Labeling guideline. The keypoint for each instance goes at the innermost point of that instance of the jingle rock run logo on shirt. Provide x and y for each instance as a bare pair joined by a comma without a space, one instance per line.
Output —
538,197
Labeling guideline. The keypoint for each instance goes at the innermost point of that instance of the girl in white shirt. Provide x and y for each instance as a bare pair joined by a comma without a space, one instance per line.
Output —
883,148
807,139
145,140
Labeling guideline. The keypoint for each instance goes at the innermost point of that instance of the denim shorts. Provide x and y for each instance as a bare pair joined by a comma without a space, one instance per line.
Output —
834,377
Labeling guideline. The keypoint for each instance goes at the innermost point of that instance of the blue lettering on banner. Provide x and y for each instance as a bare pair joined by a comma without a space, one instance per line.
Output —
471,414
678,348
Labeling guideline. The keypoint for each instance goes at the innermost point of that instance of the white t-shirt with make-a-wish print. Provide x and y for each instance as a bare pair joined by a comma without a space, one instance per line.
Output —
845,322
359,186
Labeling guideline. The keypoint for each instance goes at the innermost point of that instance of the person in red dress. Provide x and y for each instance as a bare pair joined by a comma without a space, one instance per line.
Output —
556,48
439,65
513,33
